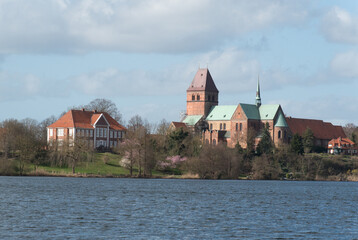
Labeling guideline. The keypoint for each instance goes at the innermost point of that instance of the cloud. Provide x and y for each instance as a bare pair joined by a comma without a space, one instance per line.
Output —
345,64
338,25
137,26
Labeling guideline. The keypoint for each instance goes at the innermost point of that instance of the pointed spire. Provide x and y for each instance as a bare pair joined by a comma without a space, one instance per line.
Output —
258,97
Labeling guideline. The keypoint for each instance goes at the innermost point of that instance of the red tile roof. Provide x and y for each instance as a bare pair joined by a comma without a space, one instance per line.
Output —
345,143
203,81
84,119
320,129
179,125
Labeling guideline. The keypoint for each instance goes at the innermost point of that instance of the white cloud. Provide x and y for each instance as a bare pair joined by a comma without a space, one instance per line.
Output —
345,64
338,25
137,26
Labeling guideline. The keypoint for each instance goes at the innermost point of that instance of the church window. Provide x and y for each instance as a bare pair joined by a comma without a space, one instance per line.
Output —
237,126
224,126
240,127
221,126
193,97
211,126
198,97
279,134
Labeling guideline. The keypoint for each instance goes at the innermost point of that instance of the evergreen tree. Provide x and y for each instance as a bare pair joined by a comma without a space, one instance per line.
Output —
265,145
308,140
296,144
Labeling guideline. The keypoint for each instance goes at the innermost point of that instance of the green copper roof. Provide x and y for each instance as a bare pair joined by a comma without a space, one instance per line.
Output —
268,112
191,120
281,121
250,111
221,113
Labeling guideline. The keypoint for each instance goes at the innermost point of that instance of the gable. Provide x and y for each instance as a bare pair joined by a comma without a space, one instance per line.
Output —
268,112
101,121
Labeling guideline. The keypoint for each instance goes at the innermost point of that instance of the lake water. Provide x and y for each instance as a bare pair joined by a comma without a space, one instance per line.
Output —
94,208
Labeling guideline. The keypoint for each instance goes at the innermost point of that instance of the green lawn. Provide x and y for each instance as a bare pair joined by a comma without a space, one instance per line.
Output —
95,167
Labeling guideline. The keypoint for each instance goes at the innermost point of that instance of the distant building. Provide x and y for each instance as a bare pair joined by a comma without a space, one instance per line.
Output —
232,124
323,131
98,129
342,146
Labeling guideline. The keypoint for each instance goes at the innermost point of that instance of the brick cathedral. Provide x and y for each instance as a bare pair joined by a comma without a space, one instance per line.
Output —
231,124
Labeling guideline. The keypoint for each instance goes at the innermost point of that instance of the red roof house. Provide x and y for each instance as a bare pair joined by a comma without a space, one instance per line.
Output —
97,128
342,145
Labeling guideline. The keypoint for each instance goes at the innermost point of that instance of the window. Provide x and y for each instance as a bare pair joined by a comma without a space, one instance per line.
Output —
97,132
111,144
91,133
209,98
279,134
115,134
105,132
115,143
119,134
224,126
240,127
87,132
82,132
198,97
237,127
221,126
51,132
70,132
60,132
193,97
284,134
101,132
111,134
211,126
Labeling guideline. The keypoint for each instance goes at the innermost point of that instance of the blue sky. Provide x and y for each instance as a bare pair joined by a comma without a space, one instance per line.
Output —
142,55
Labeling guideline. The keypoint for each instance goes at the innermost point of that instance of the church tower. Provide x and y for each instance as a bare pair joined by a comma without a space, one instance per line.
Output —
202,94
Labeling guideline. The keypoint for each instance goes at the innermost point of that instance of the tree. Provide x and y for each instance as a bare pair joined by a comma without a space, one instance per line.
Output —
296,144
175,141
162,127
77,151
265,145
105,105
308,140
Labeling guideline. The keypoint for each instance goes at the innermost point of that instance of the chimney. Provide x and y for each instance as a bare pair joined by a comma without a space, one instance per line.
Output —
83,109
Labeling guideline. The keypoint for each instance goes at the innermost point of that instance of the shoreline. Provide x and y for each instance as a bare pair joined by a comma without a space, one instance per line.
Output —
179,177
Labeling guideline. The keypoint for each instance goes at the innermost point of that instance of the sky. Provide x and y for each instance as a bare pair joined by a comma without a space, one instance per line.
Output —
143,55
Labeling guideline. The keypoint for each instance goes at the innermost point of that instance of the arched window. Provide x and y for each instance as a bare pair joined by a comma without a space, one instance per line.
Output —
279,134
198,97
240,127
237,126
224,126
211,126
221,126
214,142
193,97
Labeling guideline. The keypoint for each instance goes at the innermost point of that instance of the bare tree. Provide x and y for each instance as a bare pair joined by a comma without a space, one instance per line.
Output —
105,105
